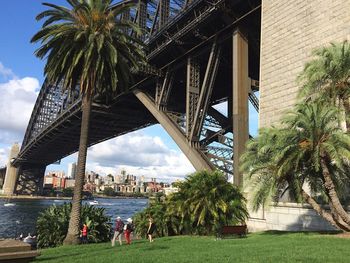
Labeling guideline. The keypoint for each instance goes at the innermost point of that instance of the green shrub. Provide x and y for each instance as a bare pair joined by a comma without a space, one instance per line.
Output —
52,224
204,203
109,191
165,224
68,192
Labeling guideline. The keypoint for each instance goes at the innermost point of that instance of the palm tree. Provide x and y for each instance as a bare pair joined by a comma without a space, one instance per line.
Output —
320,142
310,149
209,201
87,45
328,76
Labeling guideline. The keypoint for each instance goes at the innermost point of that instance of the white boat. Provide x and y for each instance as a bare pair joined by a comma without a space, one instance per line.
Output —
95,202
9,204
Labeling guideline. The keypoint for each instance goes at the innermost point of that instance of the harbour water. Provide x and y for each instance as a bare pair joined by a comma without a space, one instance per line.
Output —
21,218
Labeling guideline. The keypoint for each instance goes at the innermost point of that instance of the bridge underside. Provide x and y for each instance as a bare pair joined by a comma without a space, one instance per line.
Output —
61,137
205,55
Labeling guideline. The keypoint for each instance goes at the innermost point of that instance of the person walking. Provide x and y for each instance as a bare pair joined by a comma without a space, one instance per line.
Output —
128,228
151,228
118,231
84,234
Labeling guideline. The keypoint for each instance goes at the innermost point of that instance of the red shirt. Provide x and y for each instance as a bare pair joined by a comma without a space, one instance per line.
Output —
85,229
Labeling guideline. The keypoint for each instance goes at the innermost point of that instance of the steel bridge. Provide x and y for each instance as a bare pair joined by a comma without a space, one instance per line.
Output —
200,53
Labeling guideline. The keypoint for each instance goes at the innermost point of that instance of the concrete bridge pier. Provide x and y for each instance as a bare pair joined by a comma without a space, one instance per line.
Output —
11,172
30,179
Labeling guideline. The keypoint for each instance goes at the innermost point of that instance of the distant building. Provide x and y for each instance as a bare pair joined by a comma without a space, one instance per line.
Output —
90,187
109,179
59,174
55,180
91,177
98,181
118,179
58,183
153,187
48,179
72,169
170,190
70,183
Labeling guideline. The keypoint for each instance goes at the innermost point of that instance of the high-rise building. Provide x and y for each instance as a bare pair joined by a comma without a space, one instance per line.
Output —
72,169
118,179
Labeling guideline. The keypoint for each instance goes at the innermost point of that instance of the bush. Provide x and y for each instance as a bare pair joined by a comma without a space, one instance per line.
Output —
52,224
68,192
109,191
204,203
165,222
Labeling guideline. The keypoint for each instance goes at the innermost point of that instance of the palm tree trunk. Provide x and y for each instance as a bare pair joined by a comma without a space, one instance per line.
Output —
332,194
337,219
327,216
74,222
346,105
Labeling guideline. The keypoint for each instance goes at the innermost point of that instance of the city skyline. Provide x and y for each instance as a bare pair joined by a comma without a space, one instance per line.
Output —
115,174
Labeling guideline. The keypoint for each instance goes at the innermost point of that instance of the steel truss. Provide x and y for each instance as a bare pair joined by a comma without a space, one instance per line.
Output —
165,23
51,103
203,127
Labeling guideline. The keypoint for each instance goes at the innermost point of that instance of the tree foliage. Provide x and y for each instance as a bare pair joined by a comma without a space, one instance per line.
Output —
205,201
52,224
68,191
310,149
327,77
109,191
87,44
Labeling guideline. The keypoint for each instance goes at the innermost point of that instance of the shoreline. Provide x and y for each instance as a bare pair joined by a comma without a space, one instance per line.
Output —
39,197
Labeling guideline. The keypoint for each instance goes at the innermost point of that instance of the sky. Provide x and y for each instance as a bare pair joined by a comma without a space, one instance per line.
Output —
21,77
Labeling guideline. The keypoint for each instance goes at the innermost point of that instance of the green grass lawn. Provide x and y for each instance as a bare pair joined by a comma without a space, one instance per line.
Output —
259,247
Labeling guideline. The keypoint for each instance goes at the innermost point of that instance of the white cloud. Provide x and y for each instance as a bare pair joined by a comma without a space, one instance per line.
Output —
16,104
4,155
6,73
135,149
139,154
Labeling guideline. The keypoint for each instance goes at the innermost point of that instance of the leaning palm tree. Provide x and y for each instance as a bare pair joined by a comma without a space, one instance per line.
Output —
320,143
87,45
310,149
327,76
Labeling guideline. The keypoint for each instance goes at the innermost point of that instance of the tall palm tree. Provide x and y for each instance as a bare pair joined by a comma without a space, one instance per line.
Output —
328,76
310,149
87,45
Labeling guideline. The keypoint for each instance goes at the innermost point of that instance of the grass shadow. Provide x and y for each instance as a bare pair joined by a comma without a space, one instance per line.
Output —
50,258
280,233
155,247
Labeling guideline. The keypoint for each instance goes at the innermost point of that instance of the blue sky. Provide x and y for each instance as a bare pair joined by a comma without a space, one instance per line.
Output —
22,73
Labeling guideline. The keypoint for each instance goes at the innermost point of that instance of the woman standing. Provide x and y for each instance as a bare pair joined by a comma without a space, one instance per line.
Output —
128,228
151,228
